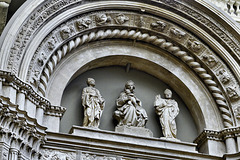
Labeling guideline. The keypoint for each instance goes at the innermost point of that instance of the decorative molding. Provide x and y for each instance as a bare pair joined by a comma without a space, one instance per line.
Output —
217,135
90,156
19,131
160,42
50,154
56,111
39,16
11,80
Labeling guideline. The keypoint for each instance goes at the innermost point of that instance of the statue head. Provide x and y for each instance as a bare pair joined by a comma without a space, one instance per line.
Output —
168,93
130,85
90,82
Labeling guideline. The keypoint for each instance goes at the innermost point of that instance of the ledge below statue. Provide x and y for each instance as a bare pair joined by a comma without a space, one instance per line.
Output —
109,138
138,131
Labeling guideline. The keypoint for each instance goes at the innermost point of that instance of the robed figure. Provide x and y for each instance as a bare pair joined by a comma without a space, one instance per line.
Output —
129,108
93,104
167,110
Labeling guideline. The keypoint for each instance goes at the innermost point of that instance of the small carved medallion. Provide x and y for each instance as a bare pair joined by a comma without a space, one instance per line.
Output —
140,22
178,33
210,60
159,26
51,44
237,112
41,59
194,45
121,19
223,76
66,32
102,19
83,23
232,93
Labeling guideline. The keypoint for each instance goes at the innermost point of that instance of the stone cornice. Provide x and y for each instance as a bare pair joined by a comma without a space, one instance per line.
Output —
10,79
56,111
217,135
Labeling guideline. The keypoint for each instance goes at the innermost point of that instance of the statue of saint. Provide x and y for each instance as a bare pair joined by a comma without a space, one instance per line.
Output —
167,110
93,104
129,108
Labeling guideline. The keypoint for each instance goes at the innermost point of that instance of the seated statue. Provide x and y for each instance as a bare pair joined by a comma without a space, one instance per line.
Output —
129,108
93,104
167,110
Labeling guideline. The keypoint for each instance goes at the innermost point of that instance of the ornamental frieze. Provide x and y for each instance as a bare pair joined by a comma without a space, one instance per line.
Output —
49,8
205,20
37,18
66,31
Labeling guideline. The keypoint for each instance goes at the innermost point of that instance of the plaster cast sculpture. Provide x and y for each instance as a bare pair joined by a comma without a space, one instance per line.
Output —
167,110
129,108
93,104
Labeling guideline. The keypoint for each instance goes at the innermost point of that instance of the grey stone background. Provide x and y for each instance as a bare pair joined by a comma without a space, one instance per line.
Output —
111,81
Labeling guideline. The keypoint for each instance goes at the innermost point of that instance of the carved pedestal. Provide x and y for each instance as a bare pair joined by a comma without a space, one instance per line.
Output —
138,131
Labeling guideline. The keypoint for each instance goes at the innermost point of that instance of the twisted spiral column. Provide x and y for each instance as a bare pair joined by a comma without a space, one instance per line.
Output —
137,35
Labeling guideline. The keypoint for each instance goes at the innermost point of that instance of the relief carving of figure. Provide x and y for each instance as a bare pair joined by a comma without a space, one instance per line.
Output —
167,110
102,19
178,33
129,108
121,18
93,104
159,25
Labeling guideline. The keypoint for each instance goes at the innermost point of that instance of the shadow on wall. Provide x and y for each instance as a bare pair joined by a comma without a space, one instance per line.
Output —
110,81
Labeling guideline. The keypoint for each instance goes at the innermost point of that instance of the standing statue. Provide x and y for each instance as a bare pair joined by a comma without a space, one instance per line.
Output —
167,110
129,108
93,104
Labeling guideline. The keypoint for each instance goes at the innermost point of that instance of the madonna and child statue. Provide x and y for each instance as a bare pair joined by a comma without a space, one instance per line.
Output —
129,113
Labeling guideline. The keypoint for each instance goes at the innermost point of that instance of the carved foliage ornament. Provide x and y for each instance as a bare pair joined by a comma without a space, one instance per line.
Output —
49,154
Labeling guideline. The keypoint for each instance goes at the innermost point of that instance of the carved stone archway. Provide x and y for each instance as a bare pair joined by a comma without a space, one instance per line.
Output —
52,30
